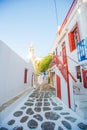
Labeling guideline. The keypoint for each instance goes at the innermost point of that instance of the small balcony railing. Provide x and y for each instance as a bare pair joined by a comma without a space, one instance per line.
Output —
82,50
63,68
60,65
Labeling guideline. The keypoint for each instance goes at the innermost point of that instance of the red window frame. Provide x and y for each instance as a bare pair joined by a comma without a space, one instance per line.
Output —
74,37
58,86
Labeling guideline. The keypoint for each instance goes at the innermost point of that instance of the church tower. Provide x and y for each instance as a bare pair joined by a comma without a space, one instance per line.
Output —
31,51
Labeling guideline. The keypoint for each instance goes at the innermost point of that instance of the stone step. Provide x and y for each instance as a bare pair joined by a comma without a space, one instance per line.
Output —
83,90
80,97
82,112
81,104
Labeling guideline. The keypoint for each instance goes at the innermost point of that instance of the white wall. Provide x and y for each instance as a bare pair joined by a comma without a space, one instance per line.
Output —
12,74
79,16
83,20
71,82
64,92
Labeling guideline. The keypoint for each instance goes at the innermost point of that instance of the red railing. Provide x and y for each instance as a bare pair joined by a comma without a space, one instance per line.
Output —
67,16
65,73
72,77
63,69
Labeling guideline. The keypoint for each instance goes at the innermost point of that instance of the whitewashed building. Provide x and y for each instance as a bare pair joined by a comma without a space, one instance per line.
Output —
70,56
15,74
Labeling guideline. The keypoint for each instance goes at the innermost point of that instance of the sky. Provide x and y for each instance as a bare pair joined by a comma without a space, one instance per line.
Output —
25,22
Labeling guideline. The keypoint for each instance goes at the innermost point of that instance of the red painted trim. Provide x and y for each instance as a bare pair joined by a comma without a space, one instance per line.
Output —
84,73
76,26
68,87
58,86
71,37
61,68
72,45
64,55
69,103
64,72
65,75
72,77
67,16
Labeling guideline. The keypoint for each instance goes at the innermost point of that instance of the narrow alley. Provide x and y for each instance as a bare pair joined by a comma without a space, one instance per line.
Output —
40,109
43,65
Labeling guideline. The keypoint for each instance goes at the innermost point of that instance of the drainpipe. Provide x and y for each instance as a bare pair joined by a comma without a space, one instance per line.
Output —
68,87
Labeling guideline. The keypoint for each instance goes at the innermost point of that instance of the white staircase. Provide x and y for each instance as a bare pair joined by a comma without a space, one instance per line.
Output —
80,98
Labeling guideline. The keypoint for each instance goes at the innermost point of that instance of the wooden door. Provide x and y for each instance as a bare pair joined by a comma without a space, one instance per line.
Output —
58,86
64,54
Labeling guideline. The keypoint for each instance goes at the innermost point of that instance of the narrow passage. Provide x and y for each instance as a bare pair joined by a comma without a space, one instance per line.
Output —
42,110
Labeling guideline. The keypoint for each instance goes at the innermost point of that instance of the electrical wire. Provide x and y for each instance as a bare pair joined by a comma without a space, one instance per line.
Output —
56,12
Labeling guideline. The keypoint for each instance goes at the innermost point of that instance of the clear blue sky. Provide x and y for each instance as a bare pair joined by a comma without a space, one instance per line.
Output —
31,21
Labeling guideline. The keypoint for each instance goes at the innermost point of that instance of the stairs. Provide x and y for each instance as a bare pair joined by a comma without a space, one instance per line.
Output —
80,98
61,67
80,93
82,104
82,112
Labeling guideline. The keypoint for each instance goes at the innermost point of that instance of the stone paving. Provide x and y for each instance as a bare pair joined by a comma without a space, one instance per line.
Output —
42,110
13,99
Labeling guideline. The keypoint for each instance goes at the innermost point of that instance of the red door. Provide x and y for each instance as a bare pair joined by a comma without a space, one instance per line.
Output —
84,73
64,54
58,87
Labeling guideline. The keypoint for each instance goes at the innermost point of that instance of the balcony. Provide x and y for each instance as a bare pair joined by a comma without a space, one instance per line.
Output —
82,50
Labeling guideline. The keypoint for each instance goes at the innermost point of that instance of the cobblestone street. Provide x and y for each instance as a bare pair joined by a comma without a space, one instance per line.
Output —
42,110
43,65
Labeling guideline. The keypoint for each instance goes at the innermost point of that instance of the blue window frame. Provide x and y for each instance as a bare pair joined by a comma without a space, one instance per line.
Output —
82,50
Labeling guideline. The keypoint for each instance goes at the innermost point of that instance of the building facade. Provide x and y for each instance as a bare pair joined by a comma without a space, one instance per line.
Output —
70,56
15,74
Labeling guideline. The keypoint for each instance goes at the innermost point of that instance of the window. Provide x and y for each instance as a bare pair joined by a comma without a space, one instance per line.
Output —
78,72
82,50
56,51
53,52
74,37
25,75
